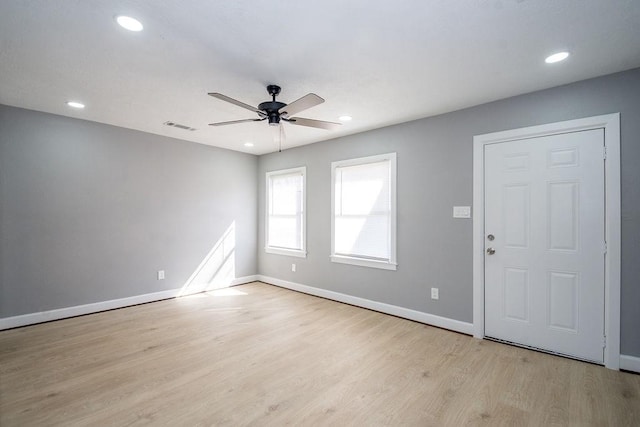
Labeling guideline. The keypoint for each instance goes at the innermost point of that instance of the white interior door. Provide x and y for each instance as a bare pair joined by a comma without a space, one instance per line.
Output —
544,218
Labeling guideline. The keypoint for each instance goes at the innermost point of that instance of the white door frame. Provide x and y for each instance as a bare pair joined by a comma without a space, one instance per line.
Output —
611,125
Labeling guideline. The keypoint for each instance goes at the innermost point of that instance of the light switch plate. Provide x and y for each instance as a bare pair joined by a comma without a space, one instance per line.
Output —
462,211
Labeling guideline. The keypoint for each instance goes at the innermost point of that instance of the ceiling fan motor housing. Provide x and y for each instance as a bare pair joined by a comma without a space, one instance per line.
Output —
271,109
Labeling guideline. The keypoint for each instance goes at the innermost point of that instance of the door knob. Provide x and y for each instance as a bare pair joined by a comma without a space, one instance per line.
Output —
491,251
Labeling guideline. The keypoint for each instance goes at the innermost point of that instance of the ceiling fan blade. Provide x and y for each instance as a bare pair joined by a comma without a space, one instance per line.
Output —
235,102
314,123
307,101
232,122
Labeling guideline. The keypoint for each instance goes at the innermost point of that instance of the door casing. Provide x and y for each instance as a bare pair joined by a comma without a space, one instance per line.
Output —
611,125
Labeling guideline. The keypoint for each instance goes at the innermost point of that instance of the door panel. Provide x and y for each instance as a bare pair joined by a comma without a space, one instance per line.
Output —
516,294
562,215
563,301
516,215
544,203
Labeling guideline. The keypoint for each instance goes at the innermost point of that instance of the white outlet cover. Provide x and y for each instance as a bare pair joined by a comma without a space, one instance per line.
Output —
160,274
434,293
462,211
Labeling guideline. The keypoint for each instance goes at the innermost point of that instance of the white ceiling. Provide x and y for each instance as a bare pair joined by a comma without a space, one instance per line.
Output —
380,61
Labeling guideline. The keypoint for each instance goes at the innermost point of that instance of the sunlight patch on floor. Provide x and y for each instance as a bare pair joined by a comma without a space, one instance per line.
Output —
225,292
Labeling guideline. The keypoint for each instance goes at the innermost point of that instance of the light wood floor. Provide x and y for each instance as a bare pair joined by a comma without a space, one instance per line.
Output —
269,356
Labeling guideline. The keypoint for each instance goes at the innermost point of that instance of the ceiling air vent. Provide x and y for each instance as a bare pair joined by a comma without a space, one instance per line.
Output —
179,126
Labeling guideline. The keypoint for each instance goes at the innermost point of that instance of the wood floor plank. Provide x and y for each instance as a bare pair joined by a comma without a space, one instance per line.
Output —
263,355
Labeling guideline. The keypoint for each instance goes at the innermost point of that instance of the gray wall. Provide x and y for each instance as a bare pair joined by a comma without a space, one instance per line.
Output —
434,174
90,212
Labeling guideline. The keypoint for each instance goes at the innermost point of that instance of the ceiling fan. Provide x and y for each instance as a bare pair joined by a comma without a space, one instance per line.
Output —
276,111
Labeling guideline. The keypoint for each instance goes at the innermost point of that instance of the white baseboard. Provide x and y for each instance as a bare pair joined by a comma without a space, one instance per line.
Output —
418,316
244,280
630,363
78,310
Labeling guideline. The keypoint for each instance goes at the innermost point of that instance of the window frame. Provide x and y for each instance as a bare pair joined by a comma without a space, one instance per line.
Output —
300,253
391,263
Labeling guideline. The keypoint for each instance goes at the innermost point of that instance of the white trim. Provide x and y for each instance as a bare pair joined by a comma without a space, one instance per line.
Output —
391,264
301,253
630,363
364,262
79,310
611,125
284,251
418,316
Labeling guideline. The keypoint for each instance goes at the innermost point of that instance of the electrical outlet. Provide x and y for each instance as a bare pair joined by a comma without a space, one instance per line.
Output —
435,294
293,267
160,274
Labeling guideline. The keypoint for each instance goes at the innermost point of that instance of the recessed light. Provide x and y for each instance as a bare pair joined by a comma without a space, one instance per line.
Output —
129,23
557,57
345,118
248,144
75,104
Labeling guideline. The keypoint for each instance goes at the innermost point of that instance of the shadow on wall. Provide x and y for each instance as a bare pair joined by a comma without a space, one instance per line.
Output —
218,269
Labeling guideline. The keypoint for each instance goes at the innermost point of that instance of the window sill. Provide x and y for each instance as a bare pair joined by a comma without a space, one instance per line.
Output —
385,265
287,252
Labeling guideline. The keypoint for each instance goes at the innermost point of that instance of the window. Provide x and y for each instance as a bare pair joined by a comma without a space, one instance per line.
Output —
363,220
285,218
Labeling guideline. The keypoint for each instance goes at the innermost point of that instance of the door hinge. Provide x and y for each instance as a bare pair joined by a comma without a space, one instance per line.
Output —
605,248
604,341
604,152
